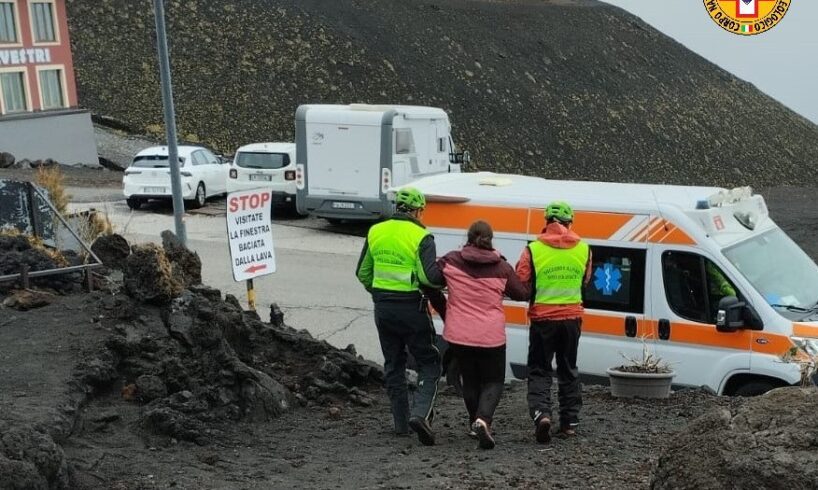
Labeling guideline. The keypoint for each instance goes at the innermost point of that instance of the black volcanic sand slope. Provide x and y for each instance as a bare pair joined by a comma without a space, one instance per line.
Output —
561,89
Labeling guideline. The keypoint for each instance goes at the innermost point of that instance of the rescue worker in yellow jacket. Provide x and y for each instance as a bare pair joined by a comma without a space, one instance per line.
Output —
557,265
397,260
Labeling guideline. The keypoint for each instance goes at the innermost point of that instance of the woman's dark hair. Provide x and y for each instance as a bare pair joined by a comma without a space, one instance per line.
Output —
480,235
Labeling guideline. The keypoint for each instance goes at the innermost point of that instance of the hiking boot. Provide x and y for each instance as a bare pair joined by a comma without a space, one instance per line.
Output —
568,431
486,441
543,430
423,430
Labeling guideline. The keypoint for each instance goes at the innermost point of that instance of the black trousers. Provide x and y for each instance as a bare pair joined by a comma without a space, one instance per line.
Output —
546,340
402,325
483,373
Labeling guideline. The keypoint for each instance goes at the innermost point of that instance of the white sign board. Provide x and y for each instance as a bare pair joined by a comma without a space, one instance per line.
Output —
250,233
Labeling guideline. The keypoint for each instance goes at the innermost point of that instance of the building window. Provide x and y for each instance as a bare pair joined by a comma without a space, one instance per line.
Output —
13,89
42,22
617,280
51,89
8,23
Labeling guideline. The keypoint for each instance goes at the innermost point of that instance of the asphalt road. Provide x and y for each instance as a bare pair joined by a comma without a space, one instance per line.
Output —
314,283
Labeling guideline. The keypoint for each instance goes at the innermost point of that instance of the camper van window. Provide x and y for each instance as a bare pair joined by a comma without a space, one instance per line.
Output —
267,161
403,141
617,280
441,145
694,286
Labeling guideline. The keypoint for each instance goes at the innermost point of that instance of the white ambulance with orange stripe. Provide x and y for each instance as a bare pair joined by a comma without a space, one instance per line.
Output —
664,258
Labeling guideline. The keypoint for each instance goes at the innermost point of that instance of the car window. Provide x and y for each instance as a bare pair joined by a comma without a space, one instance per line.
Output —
198,158
694,286
154,161
211,158
262,160
617,280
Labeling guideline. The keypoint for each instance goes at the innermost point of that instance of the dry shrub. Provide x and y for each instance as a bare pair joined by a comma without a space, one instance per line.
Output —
51,179
37,244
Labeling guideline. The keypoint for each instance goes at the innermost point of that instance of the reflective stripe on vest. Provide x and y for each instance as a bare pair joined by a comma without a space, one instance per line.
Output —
394,247
559,273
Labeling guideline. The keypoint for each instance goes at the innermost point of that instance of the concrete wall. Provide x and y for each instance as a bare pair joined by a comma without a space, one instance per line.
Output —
65,136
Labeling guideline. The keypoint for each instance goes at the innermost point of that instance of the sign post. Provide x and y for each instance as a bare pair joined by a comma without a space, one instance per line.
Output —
250,234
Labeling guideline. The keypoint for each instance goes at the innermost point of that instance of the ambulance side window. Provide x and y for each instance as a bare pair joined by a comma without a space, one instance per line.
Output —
694,286
617,280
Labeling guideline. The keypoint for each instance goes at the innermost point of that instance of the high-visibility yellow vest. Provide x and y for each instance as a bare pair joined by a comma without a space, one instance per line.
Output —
394,246
559,273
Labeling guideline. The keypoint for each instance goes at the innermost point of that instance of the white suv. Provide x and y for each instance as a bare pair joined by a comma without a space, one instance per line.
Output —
265,165
148,177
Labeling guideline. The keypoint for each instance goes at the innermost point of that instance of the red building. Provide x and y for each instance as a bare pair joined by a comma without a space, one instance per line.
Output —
38,95
36,72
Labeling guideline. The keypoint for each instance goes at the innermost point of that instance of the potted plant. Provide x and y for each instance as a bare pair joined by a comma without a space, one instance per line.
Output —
648,377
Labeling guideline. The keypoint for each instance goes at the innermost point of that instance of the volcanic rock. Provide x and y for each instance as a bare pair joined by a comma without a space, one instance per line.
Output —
149,277
768,442
6,160
186,265
112,250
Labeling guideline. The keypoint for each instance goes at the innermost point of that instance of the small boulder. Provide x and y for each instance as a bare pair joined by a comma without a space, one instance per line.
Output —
47,163
28,299
148,275
334,413
112,250
112,165
150,388
186,265
6,160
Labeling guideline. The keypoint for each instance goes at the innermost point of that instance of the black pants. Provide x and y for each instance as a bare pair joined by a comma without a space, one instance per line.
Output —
483,372
402,325
547,339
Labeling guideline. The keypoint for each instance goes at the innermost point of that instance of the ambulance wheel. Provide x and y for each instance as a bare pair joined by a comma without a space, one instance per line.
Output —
755,388
134,203
200,198
453,377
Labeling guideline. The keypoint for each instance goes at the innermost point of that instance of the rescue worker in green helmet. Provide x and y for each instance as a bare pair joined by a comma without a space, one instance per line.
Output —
398,260
557,265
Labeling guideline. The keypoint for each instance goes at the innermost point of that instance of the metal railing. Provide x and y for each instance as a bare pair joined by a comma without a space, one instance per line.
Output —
36,225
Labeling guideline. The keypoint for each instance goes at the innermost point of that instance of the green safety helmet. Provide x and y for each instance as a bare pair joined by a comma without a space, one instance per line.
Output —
411,198
560,211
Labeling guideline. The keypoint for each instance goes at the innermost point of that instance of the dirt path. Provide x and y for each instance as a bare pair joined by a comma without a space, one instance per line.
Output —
109,446
617,446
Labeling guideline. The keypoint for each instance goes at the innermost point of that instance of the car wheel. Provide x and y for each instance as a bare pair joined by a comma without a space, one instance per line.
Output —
134,203
755,388
200,198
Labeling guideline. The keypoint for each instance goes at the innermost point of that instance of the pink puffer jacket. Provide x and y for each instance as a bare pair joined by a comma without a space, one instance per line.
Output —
477,280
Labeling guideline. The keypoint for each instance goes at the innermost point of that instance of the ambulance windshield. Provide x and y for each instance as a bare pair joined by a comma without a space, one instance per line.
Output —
779,270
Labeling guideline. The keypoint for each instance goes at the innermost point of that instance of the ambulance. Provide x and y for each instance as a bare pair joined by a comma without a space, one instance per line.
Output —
661,257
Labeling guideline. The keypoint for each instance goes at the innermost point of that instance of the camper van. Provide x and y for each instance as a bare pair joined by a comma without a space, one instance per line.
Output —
655,251
349,156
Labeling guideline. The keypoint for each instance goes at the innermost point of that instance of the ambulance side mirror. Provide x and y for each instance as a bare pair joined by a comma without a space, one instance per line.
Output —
734,315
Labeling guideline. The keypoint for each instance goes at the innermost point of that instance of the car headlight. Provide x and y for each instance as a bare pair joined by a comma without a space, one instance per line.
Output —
810,346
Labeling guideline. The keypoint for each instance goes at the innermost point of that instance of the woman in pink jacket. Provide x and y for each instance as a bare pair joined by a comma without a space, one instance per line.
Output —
478,278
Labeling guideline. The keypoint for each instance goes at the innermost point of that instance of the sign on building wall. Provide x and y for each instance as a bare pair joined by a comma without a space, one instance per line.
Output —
25,56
